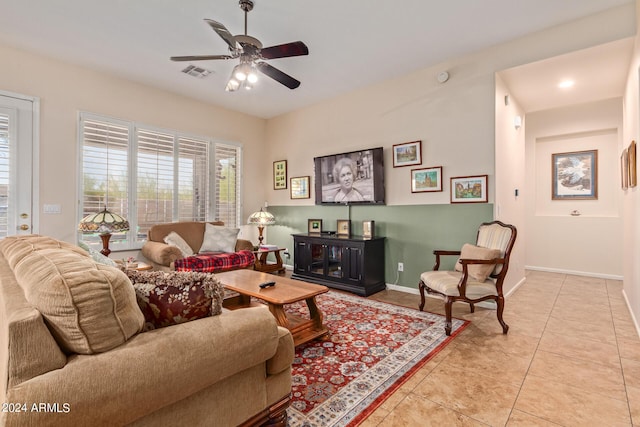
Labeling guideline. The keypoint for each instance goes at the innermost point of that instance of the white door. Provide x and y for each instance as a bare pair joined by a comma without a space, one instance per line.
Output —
17,164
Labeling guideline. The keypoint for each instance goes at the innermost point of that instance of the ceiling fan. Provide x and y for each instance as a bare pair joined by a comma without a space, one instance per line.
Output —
251,54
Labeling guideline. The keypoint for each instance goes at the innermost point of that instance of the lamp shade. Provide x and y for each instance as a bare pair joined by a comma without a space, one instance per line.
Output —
103,222
261,218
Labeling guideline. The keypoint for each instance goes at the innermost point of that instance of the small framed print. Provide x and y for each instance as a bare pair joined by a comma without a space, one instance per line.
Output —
574,176
633,173
624,169
407,154
368,228
344,227
469,189
315,226
426,180
300,187
280,175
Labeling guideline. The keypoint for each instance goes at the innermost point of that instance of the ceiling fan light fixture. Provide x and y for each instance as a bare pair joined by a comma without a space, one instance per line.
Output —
252,77
232,85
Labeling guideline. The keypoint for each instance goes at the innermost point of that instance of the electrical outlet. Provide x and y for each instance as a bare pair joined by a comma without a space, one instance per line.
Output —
400,266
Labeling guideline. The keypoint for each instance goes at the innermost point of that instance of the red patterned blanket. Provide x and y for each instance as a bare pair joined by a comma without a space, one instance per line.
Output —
215,262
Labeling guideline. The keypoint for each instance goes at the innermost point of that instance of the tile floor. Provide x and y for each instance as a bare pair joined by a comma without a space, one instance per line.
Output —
571,358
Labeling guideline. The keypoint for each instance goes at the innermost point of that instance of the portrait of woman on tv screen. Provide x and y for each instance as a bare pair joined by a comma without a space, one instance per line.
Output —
348,178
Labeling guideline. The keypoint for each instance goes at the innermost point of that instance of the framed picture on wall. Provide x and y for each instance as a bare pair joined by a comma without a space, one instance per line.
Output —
426,180
469,189
280,175
624,169
574,175
407,154
300,187
633,173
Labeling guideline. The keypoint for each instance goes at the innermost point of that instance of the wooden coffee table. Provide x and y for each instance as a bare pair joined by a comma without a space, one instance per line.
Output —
286,291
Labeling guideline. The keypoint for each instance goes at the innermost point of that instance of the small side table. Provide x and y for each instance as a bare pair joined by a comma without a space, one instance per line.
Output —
262,265
142,267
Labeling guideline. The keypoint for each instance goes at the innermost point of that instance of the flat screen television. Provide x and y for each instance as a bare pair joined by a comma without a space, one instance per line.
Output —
350,178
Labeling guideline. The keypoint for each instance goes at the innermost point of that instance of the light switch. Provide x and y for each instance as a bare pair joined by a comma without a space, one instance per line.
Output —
52,209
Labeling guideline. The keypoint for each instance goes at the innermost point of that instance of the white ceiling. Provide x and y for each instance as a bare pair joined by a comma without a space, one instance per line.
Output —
352,43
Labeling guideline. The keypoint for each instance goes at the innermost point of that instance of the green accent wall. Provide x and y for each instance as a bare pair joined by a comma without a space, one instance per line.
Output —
412,232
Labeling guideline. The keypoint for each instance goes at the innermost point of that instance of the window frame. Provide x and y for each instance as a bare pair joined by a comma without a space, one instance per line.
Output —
131,242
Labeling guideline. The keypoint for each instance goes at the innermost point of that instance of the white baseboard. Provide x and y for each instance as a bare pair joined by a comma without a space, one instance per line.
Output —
575,273
633,317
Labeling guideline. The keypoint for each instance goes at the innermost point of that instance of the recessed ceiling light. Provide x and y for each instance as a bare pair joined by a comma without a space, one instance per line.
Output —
566,84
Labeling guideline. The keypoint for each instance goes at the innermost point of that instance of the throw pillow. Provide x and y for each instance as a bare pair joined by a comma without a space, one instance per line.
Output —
169,298
97,256
219,239
89,307
174,239
479,272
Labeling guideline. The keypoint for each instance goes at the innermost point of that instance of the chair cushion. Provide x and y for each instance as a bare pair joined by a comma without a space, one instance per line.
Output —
174,239
219,239
480,272
169,298
89,307
446,282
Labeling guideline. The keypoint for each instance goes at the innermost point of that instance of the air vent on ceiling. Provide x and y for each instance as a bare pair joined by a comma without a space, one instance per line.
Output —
196,71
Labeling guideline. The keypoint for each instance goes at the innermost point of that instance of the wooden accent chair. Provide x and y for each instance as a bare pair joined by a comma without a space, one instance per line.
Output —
480,271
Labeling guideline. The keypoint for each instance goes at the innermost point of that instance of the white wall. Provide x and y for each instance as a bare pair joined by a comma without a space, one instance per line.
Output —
455,120
590,243
510,176
65,90
631,197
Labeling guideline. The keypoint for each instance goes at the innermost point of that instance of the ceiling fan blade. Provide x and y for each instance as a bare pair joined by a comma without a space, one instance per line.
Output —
200,57
285,50
224,33
278,75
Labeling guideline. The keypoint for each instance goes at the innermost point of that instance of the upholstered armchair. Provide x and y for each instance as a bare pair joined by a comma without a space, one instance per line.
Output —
479,272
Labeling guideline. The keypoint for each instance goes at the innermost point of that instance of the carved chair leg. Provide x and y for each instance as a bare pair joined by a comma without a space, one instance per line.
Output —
500,301
421,287
473,307
447,311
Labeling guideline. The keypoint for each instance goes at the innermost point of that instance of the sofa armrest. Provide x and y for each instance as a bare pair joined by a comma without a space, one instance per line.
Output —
244,245
152,370
160,253
283,358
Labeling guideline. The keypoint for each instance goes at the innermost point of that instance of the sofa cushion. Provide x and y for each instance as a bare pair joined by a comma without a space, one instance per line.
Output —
191,231
169,298
479,272
216,263
89,307
219,239
174,239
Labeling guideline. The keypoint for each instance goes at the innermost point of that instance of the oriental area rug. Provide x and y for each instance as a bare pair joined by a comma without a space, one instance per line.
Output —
371,350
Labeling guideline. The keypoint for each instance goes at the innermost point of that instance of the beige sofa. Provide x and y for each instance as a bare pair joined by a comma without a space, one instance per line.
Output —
162,256
71,361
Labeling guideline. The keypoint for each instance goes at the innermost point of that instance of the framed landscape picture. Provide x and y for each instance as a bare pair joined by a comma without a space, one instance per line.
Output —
300,187
469,189
574,175
407,154
280,175
426,180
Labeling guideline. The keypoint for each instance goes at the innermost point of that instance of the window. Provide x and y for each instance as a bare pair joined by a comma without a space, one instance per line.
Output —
173,177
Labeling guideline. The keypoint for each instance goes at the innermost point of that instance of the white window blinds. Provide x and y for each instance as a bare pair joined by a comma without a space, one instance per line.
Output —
172,176
5,174
105,171
227,205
